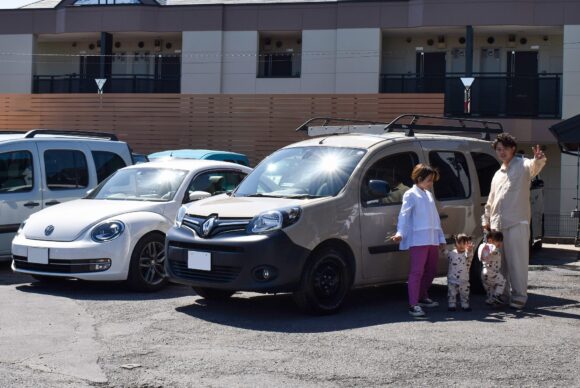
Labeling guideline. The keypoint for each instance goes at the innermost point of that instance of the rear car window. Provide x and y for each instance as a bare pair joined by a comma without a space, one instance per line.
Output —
106,163
66,169
486,167
454,181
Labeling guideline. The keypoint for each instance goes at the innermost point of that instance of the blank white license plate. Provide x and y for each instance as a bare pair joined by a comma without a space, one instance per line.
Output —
199,260
38,255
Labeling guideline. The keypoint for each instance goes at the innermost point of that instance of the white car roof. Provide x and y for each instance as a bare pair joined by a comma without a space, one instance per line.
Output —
190,164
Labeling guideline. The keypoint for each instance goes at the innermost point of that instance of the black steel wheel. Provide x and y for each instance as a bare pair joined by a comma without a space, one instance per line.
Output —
147,268
325,282
212,293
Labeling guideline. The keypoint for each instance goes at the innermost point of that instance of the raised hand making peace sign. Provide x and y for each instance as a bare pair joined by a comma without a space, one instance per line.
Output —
538,153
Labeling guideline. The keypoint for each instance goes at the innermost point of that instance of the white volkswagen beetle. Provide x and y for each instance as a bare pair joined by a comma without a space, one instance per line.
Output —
117,232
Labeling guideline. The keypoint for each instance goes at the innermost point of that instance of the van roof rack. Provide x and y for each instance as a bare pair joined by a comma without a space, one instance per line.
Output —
484,127
100,135
407,123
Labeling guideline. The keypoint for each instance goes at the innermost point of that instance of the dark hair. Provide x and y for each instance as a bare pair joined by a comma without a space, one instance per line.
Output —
495,235
462,238
422,171
505,139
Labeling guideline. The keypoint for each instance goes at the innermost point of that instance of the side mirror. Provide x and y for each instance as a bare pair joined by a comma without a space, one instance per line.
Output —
378,189
191,196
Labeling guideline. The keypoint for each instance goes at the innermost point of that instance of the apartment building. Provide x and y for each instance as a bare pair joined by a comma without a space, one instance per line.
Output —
523,55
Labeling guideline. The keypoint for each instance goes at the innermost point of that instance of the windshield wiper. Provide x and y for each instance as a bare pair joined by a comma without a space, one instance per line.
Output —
263,195
305,196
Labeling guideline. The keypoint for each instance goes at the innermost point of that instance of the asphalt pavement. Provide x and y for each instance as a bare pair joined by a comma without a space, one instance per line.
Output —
77,334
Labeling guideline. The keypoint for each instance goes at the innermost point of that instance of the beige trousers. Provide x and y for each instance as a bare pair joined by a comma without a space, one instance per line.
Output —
515,261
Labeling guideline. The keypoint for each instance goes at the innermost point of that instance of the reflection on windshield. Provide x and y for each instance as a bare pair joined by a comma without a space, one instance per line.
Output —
144,184
305,172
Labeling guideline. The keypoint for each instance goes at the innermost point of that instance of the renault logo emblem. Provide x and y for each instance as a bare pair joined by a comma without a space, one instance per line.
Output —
208,225
48,231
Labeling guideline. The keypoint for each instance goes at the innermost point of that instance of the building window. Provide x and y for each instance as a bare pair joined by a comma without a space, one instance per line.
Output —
106,2
280,55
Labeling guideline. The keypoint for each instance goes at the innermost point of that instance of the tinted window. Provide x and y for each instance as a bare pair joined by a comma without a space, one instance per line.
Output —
16,172
396,171
486,166
106,163
454,181
66,169
217,182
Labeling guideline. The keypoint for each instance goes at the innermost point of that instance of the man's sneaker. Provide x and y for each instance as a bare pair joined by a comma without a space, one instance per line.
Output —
416,311
427,302
517,305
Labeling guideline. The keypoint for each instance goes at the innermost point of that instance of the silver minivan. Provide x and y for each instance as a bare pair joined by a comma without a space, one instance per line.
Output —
315,218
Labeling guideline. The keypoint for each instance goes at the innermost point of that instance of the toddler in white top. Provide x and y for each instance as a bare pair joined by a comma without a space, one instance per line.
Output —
491,277
458,274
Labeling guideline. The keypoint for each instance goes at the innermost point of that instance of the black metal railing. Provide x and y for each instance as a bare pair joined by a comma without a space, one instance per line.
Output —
560,225
279,65
117,83
492,94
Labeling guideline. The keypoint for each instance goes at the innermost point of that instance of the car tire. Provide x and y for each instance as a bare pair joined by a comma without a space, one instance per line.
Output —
475,282
147,267
212,293
325,283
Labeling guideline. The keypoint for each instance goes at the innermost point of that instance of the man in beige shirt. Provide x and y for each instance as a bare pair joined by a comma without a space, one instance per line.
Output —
508,210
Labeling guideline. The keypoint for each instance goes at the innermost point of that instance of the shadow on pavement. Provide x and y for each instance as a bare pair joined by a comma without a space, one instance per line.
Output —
554,255
363,308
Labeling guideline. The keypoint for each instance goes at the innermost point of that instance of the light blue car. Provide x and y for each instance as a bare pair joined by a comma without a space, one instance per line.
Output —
224,156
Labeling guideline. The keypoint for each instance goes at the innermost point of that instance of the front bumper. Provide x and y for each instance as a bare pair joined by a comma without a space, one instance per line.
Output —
75,259
236,261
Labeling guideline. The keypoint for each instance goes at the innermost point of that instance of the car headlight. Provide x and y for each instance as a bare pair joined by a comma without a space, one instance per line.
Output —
274,220
21,227
107,231
180,215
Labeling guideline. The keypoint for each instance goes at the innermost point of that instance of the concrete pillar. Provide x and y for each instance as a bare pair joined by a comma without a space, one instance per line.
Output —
358,60
16,59
201,62
570,107
240,62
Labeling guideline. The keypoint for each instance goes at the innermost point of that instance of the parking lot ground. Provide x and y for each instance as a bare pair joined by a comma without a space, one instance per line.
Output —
71,334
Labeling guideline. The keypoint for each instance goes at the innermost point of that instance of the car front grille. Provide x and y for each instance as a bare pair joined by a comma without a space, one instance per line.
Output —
218,273
221,225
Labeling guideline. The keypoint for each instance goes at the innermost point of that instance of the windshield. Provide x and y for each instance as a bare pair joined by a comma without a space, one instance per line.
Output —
305,172
140,184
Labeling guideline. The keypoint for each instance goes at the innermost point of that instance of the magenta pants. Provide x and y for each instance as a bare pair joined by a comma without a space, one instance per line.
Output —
422,272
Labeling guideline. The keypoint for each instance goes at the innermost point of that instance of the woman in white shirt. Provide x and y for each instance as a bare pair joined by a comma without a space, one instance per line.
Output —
419,231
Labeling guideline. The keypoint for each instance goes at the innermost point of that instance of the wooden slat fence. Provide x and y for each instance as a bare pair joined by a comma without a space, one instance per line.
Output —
253,124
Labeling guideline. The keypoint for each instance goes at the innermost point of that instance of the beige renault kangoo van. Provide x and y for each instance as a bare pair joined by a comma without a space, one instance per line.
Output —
315,218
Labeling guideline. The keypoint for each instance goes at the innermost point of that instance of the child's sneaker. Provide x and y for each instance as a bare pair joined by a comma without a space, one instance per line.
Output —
427,302
466,309
490,301
497,300
451,308
416,311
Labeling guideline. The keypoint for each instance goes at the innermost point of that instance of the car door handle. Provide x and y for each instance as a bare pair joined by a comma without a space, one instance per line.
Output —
31,204
443,216
52,203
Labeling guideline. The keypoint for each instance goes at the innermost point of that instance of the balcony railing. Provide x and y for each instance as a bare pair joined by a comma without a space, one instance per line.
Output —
492,94
118,83
279,65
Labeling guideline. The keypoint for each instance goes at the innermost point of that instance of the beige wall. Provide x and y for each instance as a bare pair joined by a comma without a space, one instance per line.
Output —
399,55
16,63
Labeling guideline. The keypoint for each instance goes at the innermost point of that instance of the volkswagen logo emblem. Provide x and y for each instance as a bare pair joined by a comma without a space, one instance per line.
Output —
208,225
48,231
